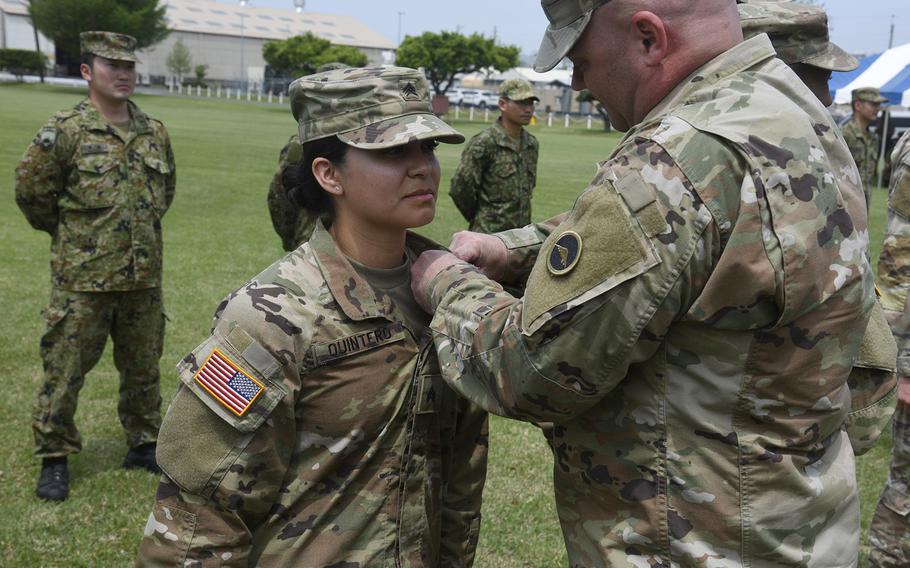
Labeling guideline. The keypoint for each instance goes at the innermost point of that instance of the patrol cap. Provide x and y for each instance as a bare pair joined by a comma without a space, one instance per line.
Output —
517,90
568,20
367,107
799,33
869,94
110,45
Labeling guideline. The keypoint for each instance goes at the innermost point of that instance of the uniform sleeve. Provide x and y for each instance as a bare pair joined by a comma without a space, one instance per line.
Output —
554,353
170,184
523,245
465,477
467,180
284,214
873,383
223,472
41,177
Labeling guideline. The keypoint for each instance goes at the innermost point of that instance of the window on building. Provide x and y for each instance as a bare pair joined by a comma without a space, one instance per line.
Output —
330,24
192,9
188,21
264,17
219,12
262,29
211,23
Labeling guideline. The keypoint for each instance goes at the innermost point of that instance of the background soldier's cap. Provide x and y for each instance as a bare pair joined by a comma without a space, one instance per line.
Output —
517,90
799,33
368,108
110,45
870,94
568,19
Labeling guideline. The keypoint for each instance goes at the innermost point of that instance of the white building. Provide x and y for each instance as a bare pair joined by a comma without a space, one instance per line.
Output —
229,37
226,37
16,29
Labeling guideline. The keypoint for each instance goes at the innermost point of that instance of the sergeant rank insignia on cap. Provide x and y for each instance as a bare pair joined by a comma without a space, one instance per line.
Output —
565,253
225,381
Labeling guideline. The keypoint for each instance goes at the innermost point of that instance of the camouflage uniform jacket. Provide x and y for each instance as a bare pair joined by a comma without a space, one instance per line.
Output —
100,196
293,223
893,278
355,453
493,183
694,361
864,146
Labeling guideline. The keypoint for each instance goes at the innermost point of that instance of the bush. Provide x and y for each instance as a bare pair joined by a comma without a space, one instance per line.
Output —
22,61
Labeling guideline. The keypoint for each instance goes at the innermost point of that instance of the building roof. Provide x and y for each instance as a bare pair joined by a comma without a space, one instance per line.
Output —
209,17
221,18
18,7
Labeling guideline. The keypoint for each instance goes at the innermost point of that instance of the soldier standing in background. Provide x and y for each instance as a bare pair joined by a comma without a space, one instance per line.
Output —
863,144
498,171
98,178
889,535
689,327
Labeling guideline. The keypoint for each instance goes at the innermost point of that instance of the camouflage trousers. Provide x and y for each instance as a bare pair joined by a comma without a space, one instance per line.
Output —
889,535
78,324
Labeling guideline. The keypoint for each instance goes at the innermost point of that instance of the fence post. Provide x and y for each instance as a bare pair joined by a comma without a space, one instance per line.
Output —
457,112
249,94
238,92
270,97
198,90
589,122
281,98
258,96
208,92
486,114
567,120
549,120
471,114
218,91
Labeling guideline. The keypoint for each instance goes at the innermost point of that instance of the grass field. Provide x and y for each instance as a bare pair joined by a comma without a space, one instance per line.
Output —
218,234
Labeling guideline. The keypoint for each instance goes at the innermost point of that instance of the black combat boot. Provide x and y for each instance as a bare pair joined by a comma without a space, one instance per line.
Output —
142,457
54,481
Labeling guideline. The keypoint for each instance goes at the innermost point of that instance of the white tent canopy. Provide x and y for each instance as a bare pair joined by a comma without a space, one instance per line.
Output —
888,70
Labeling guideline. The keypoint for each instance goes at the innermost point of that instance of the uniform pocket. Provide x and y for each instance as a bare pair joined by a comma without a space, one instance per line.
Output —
95,187
157,172
167,537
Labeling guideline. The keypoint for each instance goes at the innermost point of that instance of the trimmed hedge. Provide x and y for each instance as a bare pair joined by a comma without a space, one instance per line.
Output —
22,61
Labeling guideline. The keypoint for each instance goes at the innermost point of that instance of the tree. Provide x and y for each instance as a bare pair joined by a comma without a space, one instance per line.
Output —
585,96
21,61
63,20
303,54
178,61
446,54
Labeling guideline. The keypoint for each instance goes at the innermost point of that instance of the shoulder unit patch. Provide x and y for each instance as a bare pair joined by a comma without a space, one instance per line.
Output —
228,383
564,253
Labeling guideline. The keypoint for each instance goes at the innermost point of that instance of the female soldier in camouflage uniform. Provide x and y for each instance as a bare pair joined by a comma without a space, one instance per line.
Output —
312,427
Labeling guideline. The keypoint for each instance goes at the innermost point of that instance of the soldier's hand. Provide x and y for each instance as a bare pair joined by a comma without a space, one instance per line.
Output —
486,252
424,270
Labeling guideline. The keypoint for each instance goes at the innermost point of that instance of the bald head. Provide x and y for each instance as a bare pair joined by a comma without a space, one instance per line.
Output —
633,53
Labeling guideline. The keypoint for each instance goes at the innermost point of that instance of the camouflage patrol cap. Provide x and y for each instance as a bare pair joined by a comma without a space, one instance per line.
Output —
110,45
799,33
568,20
517,90
869,94
367,107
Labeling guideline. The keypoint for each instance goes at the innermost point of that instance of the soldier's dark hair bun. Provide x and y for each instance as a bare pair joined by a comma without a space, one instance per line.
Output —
301,186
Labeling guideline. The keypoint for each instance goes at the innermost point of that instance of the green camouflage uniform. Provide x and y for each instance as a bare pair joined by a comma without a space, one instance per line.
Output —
889,535
863,146
693,350
493,183
101,197
354,454
293,224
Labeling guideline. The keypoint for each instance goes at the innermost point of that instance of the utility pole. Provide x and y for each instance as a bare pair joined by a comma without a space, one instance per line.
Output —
37,44
891,38
243,4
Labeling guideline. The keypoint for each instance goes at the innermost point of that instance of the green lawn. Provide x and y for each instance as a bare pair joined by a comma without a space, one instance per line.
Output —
217,235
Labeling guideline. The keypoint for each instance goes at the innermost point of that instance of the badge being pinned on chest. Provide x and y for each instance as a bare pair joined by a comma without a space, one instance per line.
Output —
228,383
564,254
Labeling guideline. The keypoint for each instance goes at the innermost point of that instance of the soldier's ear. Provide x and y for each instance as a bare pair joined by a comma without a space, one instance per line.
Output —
86,72
327,175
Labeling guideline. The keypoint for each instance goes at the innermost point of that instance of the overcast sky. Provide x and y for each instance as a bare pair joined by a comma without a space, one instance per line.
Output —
859,26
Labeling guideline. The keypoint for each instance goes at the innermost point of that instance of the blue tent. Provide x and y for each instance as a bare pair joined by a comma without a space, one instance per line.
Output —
839,80
894,89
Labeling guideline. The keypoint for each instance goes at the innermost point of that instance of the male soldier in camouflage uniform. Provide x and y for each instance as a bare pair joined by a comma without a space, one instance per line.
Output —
889,536
294,225
98,178
493,183
799,34
690,325
863,144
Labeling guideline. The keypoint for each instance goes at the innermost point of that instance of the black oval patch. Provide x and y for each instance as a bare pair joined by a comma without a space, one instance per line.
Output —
565,253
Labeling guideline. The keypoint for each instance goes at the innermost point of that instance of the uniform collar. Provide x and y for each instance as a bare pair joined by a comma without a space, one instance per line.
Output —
354,295
699,84
139,122
503,139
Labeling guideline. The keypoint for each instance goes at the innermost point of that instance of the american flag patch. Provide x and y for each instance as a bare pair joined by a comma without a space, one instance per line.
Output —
227,383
